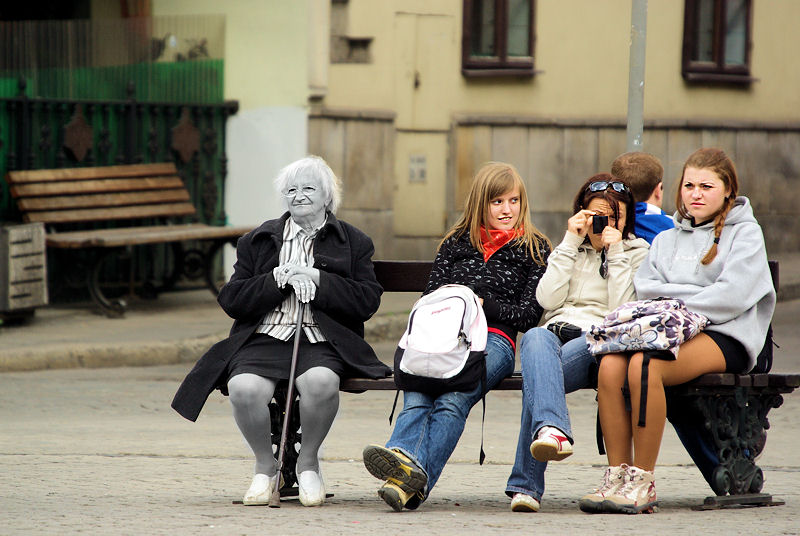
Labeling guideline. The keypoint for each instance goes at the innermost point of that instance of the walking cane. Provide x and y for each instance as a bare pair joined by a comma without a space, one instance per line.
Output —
275,499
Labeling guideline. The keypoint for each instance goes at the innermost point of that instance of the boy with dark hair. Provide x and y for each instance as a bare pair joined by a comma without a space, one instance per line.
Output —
643,174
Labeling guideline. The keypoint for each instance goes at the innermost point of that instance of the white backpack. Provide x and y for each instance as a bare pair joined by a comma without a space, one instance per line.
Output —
444,346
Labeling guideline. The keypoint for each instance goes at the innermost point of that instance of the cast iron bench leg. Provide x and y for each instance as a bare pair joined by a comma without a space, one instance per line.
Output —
111,308
736,419
210,265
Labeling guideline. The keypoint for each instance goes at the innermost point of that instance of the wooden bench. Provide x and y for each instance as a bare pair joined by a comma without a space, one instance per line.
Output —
125,200
731,409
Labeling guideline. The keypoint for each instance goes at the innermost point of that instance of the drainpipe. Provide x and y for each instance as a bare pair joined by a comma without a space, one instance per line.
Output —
636,75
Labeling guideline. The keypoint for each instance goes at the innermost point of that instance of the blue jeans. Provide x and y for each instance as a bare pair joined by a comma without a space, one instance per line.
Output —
549,371
428,428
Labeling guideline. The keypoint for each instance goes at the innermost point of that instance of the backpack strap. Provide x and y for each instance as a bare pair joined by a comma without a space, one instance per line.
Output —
482,455
394,405
598,430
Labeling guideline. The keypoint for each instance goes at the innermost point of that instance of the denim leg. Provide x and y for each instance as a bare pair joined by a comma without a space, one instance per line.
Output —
543,380
411,426
433,427
527,474
549,371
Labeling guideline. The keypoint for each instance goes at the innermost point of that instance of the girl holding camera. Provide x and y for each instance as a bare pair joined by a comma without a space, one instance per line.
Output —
588,274
716,262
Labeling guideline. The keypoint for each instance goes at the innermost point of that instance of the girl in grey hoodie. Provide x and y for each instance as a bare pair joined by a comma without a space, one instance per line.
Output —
716,262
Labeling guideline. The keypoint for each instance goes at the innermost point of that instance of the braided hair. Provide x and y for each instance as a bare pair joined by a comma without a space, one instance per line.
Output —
717,161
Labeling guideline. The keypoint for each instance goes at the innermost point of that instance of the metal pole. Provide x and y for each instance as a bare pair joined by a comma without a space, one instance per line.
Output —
636,74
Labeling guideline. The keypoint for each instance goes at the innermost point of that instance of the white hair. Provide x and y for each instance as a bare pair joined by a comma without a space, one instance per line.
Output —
313,166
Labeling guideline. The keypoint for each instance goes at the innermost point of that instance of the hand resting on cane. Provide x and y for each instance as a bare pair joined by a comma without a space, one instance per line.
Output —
303,279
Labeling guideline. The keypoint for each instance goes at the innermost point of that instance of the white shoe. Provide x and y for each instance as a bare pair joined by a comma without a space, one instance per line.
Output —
551,445
312,488
613,479
260,490
524,503
637,495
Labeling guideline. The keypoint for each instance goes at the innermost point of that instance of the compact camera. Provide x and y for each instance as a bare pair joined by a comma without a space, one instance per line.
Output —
599,223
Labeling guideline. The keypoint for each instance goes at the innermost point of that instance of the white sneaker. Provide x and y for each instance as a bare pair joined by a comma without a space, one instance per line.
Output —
613,479
637,495
260,490
551,445
524,503
311,488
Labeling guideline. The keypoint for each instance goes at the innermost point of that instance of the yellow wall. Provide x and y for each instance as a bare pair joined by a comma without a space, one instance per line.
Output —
582,52
418,205
581,58
266,48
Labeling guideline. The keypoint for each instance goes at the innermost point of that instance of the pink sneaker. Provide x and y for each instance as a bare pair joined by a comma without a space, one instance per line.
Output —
551,445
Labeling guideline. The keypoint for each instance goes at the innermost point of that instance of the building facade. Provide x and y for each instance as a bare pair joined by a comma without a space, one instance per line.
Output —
420,93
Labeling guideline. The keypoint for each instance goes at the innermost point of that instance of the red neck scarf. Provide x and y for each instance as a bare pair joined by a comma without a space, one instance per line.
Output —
494,239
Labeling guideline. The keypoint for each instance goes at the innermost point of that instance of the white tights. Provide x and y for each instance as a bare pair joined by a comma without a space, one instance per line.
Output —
250,396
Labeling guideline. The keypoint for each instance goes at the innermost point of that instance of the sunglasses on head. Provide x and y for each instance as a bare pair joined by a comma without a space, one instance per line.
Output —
602,186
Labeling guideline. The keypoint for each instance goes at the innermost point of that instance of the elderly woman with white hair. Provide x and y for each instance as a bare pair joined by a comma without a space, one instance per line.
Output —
306,254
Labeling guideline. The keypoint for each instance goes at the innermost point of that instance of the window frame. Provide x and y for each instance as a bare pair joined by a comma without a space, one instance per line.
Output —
716,71
501,64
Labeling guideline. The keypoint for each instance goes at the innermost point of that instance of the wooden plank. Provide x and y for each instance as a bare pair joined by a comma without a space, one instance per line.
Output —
95,186
103,200
354,385
744,380
403,276
758,380
103,214
784,380
142,235
101,172
721,379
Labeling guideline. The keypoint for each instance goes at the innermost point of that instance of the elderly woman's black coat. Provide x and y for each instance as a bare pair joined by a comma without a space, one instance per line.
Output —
348,294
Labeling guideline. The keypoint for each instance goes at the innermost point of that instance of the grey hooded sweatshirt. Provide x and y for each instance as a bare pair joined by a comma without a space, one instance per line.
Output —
734,291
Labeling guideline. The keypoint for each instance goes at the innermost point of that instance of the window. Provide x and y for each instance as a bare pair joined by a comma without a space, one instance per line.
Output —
497,38
716,41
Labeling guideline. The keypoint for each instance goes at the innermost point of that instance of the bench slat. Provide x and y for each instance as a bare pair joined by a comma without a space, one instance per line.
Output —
95,186
70,174
403,276
103,200
103,214
142,235
512,383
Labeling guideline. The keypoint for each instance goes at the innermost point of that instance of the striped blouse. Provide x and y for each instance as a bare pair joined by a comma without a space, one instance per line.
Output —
297,248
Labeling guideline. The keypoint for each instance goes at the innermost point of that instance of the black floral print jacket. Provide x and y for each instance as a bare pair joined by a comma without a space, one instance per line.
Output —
507,282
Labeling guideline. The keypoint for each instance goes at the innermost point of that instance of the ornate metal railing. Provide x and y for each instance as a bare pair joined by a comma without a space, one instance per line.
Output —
47,133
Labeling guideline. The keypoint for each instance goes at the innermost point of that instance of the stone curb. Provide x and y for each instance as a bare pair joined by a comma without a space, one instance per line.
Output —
107,355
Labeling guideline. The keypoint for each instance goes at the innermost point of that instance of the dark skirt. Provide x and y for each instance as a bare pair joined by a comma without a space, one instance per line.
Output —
736,358
271,358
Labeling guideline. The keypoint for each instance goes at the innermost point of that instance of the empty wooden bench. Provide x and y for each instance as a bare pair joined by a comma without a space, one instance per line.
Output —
126,200
731,408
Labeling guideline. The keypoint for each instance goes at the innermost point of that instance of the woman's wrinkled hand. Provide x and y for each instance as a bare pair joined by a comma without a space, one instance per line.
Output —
304,287
283,273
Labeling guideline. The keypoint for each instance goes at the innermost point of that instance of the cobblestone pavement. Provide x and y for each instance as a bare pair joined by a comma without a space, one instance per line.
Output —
99,451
